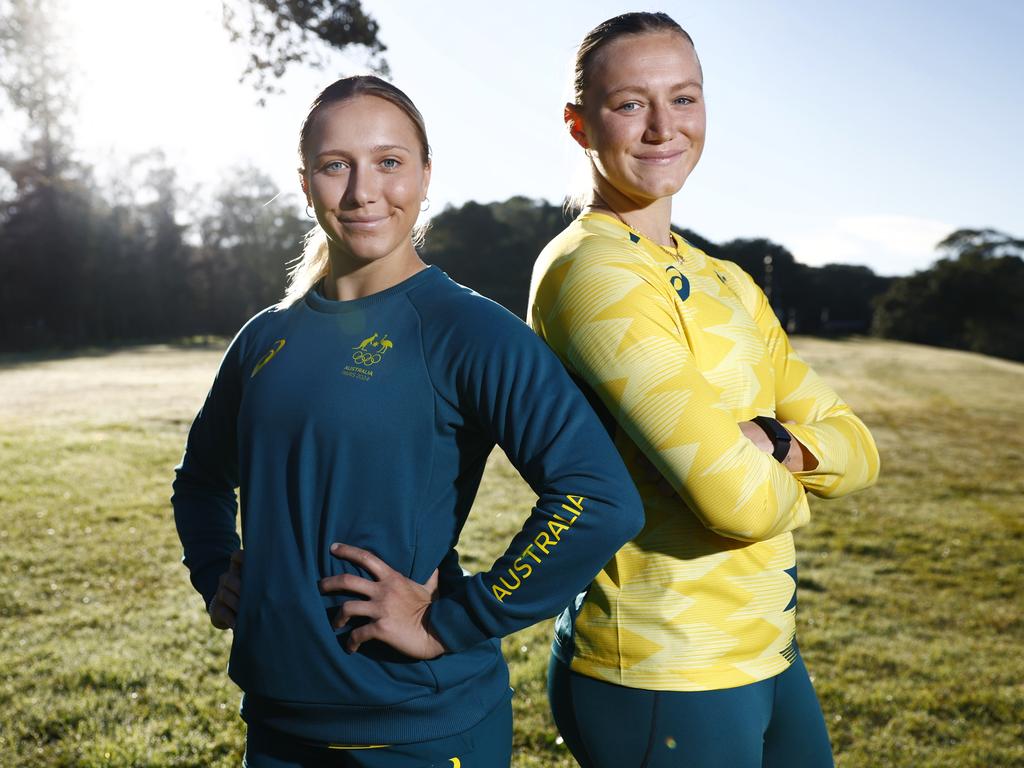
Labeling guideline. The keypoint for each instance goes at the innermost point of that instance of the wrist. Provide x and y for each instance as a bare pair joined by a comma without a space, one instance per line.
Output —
782,441
428,630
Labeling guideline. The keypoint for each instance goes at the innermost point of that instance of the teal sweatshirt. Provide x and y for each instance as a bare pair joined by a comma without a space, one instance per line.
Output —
369,422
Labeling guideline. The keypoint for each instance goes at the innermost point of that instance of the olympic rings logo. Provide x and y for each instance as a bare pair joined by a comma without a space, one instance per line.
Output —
364,358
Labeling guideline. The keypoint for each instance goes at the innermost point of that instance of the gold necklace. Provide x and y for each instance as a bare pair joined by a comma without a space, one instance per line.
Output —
602,206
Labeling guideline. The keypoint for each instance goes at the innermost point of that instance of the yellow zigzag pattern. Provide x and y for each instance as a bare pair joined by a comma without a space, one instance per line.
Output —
698,600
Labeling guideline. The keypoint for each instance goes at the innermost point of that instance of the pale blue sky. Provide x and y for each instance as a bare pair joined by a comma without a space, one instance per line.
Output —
854,132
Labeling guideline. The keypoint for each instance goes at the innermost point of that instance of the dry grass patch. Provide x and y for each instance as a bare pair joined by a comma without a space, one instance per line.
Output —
910,614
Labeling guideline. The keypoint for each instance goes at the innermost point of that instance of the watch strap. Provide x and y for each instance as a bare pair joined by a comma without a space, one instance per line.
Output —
778,434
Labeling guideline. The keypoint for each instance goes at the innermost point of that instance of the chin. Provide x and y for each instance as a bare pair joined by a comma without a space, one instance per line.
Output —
652,192
367,253
363,249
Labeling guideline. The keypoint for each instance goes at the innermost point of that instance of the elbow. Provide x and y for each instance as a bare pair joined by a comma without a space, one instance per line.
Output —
624,518
633,518
874,462
750,535
870,462
760,519
862,474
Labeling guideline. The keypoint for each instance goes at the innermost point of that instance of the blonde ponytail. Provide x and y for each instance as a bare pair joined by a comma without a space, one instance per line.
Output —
308,269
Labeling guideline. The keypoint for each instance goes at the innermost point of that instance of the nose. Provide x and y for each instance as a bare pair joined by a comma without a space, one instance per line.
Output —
659,126
361,189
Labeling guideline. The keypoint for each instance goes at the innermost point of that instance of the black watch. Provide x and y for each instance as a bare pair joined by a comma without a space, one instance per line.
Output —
779,435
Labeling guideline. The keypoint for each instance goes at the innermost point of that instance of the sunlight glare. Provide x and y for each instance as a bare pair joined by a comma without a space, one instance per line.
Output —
150,74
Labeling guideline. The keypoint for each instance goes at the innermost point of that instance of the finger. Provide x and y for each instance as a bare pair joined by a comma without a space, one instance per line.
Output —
228,599
366,560
220,616
366,609
231,583
236,562
349,583
360,635
432,582
227,619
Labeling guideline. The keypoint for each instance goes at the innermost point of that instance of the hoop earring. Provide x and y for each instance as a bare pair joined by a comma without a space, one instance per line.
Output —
425,205
309,214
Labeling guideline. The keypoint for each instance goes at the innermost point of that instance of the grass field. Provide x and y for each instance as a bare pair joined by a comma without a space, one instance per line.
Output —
910,593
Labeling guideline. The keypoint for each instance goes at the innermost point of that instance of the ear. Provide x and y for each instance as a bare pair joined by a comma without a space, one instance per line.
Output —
573,117
426,180
305,186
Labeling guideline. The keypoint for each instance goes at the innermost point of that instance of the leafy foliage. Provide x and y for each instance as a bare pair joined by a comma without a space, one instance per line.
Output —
491,248
972,299
282,33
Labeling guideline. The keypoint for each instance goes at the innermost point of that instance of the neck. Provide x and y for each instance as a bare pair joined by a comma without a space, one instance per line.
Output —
652,219
349,278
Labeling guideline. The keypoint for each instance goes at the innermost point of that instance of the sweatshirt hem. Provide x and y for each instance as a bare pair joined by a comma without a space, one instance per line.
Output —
427,717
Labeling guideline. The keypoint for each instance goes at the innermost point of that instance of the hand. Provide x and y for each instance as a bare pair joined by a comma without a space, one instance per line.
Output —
395,605
223,609
755,434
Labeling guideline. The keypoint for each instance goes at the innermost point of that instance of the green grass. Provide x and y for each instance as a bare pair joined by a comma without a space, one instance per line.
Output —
910,593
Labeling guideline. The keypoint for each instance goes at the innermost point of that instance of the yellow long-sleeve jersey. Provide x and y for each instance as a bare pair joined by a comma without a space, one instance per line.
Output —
680,348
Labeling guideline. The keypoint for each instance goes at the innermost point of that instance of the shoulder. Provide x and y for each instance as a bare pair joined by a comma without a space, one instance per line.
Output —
261,332
589,241
450,309
592,260
461,327
733,275
266,321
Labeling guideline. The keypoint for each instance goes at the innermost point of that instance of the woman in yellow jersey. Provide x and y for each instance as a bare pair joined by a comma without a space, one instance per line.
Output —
682,652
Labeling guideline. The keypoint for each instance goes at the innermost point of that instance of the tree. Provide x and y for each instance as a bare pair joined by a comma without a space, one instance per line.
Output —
280,33
34,78
247,237
80,265
491,248
972,299
51,203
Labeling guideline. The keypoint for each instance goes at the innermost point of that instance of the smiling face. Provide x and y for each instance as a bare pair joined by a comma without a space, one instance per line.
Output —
365,177
643,117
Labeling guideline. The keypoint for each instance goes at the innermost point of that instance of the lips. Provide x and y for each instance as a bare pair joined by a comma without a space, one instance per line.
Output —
660,158
363,222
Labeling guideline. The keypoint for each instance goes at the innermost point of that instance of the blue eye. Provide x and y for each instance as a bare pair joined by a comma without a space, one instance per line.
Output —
334,165
390,163
629,106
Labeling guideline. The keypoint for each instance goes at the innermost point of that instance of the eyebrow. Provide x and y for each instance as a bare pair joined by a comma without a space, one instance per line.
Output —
640,88
374,149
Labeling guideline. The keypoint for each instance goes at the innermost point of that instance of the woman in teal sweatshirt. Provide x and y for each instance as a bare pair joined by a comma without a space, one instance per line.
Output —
355,418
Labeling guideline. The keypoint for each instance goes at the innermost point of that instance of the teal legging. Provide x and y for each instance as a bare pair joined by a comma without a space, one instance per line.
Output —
775,723
488,744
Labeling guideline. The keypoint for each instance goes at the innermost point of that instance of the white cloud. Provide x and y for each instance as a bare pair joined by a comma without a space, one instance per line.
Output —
889,244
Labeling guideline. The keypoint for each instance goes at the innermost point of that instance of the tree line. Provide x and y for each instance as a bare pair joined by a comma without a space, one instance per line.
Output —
84,263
